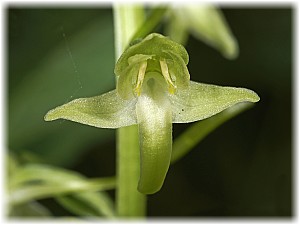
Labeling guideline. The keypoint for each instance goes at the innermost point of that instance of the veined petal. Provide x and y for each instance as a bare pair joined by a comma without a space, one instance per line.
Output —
104,111
154,117
201,101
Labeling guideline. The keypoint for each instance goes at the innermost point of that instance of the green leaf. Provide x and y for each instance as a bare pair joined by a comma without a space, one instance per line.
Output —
198,131
104,111
88,204
38,181
201,101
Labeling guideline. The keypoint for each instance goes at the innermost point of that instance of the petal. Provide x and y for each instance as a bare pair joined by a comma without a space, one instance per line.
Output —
128,77
178,70
151,45
207,23
125,82
176,29
104,111
201,101
154,117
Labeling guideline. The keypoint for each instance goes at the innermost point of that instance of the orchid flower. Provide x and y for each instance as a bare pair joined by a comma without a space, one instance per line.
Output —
205,22
153,91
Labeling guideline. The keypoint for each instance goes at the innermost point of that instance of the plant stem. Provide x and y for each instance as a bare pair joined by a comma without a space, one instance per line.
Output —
151,23
127,19
130,202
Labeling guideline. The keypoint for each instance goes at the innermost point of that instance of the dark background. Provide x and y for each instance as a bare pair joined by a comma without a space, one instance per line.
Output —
244,168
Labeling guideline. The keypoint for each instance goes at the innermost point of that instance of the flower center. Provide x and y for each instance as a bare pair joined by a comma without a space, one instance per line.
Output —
163,70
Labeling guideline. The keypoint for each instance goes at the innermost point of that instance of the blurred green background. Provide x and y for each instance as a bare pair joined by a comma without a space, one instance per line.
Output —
244,168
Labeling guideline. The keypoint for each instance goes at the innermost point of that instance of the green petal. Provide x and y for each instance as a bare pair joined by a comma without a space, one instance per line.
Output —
125,83
176,29
128,78
104,111
201,101
208,24
152,45
178,70
149,55
154,117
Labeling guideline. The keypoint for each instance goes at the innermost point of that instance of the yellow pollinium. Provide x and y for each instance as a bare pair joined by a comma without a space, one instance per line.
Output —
165,72
140,78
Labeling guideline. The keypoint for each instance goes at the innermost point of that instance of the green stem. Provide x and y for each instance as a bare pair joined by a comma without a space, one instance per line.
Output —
126,21
130,202
151,23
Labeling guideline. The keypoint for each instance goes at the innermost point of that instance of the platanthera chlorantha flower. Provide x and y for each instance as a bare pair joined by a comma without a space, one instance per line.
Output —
153,90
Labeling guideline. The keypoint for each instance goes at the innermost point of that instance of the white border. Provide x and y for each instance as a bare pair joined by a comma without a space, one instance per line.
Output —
101,2
3,62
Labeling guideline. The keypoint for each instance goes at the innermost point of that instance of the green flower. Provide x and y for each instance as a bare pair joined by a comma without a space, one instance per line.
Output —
153,90
205,22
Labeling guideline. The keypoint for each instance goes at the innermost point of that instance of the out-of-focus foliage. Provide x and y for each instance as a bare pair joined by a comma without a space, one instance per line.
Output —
206,23
56,55
80,195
